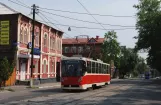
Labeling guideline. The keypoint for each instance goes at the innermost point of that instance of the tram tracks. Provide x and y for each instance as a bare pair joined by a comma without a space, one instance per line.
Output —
70,98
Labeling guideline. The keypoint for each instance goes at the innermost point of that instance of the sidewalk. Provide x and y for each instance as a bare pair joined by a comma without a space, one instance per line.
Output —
24,87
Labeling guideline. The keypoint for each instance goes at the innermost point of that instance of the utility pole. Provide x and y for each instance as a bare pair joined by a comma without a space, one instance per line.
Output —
32,49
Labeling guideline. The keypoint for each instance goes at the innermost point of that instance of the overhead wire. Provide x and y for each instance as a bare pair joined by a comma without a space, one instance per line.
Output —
24,5
89,27
82,20
86,13
90,14
52,24
72,18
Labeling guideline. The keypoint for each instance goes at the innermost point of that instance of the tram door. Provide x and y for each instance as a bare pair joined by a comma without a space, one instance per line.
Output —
58,71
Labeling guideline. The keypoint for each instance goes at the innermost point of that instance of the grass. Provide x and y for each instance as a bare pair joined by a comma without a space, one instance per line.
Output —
34,87
9,89
1,89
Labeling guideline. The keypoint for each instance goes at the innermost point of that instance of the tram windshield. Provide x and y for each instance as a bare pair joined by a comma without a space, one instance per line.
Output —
73,68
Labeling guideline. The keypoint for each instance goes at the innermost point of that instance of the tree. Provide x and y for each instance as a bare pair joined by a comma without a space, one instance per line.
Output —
128,61
149,29
141,67
6,70
110,48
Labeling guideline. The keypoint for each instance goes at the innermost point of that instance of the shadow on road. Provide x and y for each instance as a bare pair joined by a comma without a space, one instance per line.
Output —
142,92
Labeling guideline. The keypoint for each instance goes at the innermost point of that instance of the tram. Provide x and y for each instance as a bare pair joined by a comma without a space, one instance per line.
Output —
83,73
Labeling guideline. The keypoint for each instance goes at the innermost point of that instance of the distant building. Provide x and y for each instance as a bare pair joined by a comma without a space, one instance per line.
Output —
82,46
16,31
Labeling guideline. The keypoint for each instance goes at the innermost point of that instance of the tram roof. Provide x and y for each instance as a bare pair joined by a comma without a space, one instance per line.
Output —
83,58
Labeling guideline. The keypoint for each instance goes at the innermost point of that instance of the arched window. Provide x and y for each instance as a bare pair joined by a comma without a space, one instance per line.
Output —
37,38
25,35
45,66
36,67
45,40
21,34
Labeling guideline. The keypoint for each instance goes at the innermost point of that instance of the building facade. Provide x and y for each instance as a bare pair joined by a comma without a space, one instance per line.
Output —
86,47
17,33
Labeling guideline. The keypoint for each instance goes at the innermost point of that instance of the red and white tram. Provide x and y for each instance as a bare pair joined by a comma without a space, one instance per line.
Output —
83,73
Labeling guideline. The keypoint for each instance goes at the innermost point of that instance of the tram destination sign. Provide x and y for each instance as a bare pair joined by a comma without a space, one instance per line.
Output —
4,32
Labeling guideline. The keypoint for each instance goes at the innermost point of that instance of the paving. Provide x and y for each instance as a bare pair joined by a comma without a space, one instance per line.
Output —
119,92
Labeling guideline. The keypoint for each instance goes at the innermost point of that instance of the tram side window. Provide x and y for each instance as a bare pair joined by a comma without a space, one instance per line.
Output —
89,67
93,67
105,70
97,67
102,69
108,69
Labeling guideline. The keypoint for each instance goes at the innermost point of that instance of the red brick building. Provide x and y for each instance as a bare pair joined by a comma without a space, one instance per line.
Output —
87,47
47,47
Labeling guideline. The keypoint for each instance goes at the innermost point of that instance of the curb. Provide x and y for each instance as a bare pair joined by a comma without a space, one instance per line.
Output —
41,87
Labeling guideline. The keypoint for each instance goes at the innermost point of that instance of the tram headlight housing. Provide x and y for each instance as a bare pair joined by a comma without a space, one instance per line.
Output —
80,79
62,80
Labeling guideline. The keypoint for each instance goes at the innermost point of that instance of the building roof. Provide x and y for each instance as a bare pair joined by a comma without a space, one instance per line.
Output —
82,41
4,9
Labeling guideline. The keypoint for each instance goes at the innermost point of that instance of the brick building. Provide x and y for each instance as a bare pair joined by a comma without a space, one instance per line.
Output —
16,31
86,47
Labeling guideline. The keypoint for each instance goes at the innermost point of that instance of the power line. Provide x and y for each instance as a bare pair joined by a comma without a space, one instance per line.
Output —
88,27
70,17
24,5
50,21
86,13
82,20
90,14
20,4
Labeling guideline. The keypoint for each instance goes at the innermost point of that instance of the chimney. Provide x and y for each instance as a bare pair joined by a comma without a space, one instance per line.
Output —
97,37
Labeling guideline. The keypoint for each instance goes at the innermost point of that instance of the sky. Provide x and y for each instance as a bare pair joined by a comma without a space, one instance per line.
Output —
103,7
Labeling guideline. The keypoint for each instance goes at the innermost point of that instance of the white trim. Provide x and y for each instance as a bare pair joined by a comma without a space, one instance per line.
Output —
48,71
27,56
85,86
95,74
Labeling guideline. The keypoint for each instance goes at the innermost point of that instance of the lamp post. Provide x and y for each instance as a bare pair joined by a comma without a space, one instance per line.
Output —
32,49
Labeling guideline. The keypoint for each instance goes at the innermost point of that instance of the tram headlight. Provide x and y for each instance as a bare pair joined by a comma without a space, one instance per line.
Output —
80,79
62,80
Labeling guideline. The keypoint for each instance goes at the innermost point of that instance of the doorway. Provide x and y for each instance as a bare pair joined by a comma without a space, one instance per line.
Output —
58,71
23,71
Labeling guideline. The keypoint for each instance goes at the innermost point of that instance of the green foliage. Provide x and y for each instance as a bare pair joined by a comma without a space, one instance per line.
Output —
149,29
141,67
111,48
128,61
6,70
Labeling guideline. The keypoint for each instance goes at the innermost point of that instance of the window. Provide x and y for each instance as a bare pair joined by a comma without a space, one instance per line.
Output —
89,67
53,43
63,49
25,35
45,40
21,34
36,67
100,67
97,67
93,67
80,49
66,49
88,48
44,66
73,49
92,41
53,67
37,39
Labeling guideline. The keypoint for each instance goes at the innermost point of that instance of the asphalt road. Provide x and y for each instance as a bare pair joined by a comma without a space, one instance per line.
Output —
119,92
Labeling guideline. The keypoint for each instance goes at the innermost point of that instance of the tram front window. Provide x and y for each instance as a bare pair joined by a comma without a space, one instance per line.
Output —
72,68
